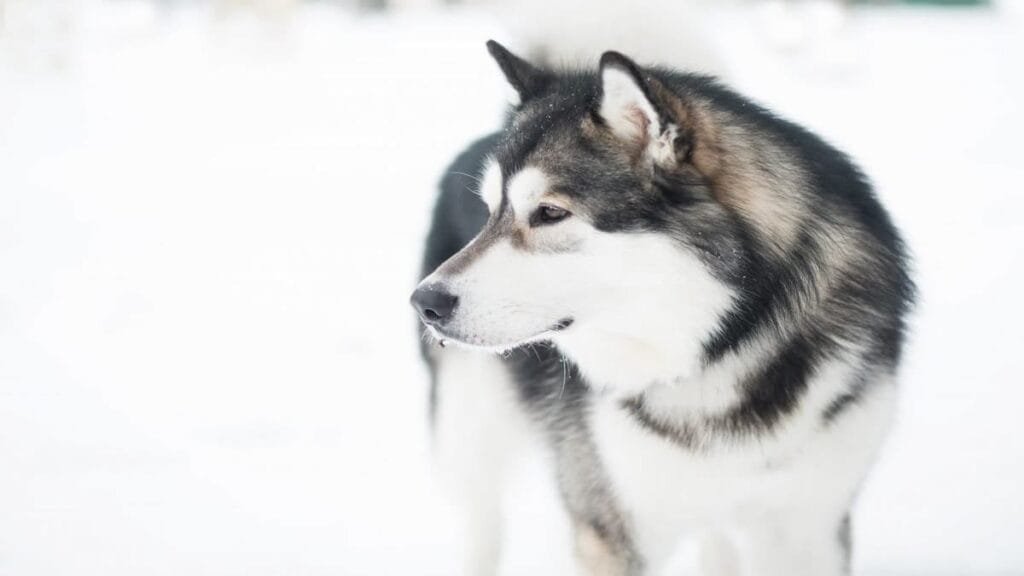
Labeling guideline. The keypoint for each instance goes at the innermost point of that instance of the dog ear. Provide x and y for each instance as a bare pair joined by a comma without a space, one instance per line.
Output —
627,105
528,80
644,114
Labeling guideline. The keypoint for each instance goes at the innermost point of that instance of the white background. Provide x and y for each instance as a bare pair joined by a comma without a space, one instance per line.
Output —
210,224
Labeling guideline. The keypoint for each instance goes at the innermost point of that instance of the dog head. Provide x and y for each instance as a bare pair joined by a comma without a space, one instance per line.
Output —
607,232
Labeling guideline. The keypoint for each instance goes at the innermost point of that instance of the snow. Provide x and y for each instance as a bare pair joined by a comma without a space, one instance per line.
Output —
209,227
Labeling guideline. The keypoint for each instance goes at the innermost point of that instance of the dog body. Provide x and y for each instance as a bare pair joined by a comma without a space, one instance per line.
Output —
698,305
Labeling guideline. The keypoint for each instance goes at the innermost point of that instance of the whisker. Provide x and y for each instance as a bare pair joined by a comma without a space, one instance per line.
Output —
476,179
479,183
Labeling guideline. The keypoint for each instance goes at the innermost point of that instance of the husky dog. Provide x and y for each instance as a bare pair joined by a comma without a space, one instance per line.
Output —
698,304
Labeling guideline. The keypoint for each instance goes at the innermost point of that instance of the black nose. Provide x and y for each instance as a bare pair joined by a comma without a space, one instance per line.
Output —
434,305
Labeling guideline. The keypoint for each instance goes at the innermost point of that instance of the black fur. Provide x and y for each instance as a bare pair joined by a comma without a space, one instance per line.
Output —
523,76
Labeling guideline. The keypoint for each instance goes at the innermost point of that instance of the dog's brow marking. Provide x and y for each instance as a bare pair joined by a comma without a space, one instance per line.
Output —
524,187
490,184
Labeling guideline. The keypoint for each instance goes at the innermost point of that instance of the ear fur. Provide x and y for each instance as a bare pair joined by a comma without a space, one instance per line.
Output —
626,107
644,114
528,80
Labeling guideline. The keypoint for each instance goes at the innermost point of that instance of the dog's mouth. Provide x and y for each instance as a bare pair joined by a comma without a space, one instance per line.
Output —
445,337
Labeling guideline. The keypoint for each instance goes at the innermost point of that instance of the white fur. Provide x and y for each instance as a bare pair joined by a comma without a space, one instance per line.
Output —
490,184
525,189
779,497
500,298
478,430
645,305
714,391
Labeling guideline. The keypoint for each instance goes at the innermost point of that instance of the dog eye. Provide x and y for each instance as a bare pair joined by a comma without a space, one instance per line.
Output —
548,214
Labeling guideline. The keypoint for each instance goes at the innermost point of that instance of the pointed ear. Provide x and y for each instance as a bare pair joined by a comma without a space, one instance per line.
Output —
528,80
626,103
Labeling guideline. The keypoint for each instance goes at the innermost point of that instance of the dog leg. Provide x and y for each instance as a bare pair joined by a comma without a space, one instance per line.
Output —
478,425
804,543
482,536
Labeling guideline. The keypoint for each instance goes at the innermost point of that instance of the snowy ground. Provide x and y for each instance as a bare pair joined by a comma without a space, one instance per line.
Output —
209,229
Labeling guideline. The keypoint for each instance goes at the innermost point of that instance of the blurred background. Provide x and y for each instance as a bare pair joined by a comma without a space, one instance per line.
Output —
211,217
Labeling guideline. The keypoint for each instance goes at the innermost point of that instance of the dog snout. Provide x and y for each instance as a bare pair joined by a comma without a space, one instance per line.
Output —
434,304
